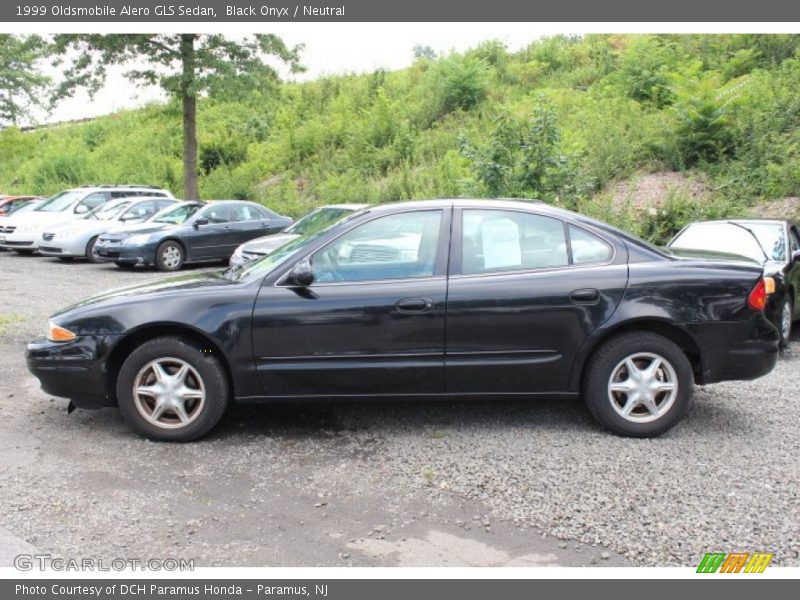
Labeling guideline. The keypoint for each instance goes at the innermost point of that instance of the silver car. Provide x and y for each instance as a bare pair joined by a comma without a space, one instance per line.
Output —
317,220
76,239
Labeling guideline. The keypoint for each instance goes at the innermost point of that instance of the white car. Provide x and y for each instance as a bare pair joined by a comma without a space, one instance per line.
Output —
76,238
22,233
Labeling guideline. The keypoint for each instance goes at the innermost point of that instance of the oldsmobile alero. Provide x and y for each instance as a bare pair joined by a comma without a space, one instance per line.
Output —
443,298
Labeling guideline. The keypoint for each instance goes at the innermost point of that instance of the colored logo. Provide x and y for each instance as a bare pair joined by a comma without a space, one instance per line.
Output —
734,562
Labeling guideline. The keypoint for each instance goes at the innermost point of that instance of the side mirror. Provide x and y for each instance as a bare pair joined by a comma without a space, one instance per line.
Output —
199,222
301,275
81,209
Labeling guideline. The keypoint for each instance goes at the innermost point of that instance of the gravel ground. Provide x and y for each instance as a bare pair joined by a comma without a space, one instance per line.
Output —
417,483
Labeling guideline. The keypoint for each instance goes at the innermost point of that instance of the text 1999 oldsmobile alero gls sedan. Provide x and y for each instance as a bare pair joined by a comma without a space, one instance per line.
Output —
433,298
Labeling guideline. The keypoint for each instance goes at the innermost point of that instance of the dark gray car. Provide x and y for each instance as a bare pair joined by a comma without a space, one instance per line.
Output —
189,232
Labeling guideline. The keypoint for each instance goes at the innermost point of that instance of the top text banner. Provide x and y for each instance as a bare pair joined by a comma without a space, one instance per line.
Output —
543,11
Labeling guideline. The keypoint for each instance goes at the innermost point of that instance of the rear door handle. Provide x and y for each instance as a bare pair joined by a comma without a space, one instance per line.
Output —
407,305
585,296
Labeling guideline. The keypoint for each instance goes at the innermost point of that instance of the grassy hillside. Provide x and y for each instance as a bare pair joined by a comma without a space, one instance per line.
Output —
561,120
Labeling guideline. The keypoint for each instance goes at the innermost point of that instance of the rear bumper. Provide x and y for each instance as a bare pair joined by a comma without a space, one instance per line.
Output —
70,370
736,351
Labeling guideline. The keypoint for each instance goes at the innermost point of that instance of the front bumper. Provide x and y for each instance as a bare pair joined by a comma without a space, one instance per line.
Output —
126,255
62,247
19,241
70,370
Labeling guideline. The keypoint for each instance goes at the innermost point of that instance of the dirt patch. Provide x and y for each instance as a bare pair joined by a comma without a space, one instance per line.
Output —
782,208
652,190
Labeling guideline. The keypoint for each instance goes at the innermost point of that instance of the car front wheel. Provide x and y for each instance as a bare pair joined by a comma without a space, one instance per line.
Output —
786,321
169,256
90,255
168,389
638,384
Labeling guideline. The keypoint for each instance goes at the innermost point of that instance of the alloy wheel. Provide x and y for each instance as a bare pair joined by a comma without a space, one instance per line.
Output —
642,387
786,320
169,393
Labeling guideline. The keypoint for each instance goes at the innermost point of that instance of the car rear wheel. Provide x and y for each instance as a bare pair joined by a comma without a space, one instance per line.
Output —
90,255
169,256
638,384
170,390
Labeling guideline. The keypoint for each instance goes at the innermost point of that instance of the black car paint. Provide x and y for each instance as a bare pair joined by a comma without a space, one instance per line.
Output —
202,242
473,335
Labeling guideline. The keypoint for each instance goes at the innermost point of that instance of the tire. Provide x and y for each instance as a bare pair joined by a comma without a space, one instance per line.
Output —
204,400
90,251
608,369
785,328
126,266
170,256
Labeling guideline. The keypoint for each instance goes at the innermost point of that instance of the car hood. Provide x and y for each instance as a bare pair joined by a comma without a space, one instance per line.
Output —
41,218
137,228
175,285
268,243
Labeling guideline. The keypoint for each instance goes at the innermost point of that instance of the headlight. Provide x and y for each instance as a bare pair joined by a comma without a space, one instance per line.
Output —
56,333
137,240
25,228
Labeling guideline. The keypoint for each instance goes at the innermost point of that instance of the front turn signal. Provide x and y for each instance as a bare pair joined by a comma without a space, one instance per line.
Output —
56,333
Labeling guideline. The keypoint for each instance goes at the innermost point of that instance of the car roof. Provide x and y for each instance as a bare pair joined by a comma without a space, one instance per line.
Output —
345,206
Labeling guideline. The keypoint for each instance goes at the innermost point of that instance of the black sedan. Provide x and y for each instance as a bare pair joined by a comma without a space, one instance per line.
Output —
445,298
772,243
188,233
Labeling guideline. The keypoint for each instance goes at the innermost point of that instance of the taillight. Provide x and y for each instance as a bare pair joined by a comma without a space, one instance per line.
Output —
757,300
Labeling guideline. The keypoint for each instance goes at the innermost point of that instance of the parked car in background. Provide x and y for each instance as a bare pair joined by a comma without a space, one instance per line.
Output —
76,238
772,243
22,232
188,233
317,220
539,301
10,204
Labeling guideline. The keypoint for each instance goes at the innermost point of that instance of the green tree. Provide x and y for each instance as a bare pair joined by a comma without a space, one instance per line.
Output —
22,85
184,65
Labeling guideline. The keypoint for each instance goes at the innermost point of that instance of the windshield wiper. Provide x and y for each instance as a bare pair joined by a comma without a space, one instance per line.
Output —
755,237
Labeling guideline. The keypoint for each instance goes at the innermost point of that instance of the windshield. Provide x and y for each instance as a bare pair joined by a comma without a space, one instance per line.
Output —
61,201
735,239
108,211
177,215
263,266
317,220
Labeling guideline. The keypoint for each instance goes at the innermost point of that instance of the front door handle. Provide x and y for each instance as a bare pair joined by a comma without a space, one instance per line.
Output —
408,305
585,296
